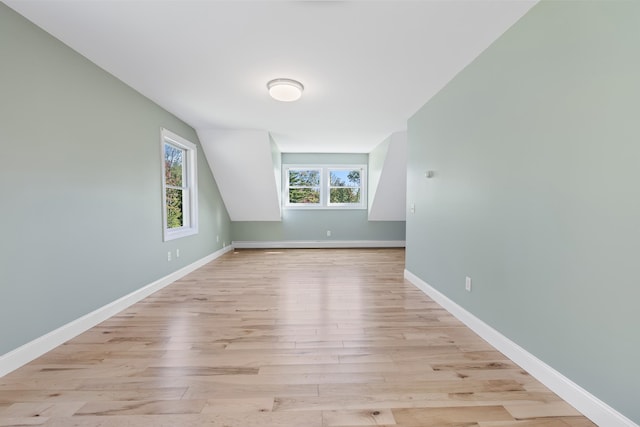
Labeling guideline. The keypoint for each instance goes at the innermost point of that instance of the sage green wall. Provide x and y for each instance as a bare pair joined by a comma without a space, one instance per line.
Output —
325,158
536,196
313,225
81,187
300,224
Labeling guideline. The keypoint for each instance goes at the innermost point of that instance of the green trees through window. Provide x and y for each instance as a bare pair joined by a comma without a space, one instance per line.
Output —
304,186
179,186
344,186
174,189
325,186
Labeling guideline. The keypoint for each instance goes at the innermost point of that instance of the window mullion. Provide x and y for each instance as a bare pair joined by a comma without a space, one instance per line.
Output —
325,185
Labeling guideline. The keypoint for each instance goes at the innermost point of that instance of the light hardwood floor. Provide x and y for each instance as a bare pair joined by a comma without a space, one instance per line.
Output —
300,338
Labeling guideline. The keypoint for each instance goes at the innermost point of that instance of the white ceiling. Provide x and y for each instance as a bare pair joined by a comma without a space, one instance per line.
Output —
367,66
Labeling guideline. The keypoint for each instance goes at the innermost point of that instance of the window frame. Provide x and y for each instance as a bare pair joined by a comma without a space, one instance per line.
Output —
325,186
189,186
362,187
288,203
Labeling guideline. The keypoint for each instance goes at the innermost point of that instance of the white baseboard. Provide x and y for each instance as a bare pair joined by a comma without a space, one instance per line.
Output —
36,348
313,244
592,407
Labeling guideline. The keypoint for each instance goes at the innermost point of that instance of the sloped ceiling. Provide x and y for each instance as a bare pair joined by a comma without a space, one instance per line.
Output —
366,65
388,179
242,163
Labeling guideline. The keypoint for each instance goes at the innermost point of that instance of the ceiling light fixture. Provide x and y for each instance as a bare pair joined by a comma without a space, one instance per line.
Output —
285,90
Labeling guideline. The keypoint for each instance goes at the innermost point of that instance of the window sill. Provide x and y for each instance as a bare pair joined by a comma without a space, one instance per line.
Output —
178,233
325,208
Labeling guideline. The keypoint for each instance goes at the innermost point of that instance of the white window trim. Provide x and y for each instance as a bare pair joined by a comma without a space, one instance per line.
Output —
190,211
363,187
324,186
286,169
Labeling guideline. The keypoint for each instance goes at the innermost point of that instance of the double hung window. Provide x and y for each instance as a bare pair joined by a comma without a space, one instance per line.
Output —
345,187
179,186
325,186
304,186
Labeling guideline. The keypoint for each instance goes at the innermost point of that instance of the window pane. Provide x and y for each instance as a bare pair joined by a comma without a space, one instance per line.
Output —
173,165
304,195
344,178
174,208
344,195
304,177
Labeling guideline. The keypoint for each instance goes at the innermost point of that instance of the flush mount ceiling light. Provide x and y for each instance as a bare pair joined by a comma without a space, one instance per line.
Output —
285,90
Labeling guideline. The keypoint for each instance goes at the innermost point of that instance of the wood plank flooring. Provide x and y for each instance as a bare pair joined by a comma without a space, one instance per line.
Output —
299,337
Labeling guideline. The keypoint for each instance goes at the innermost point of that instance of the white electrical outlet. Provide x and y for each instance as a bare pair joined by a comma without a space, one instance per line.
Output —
412,208
467,284
328,233
217,239
177,253
169,256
